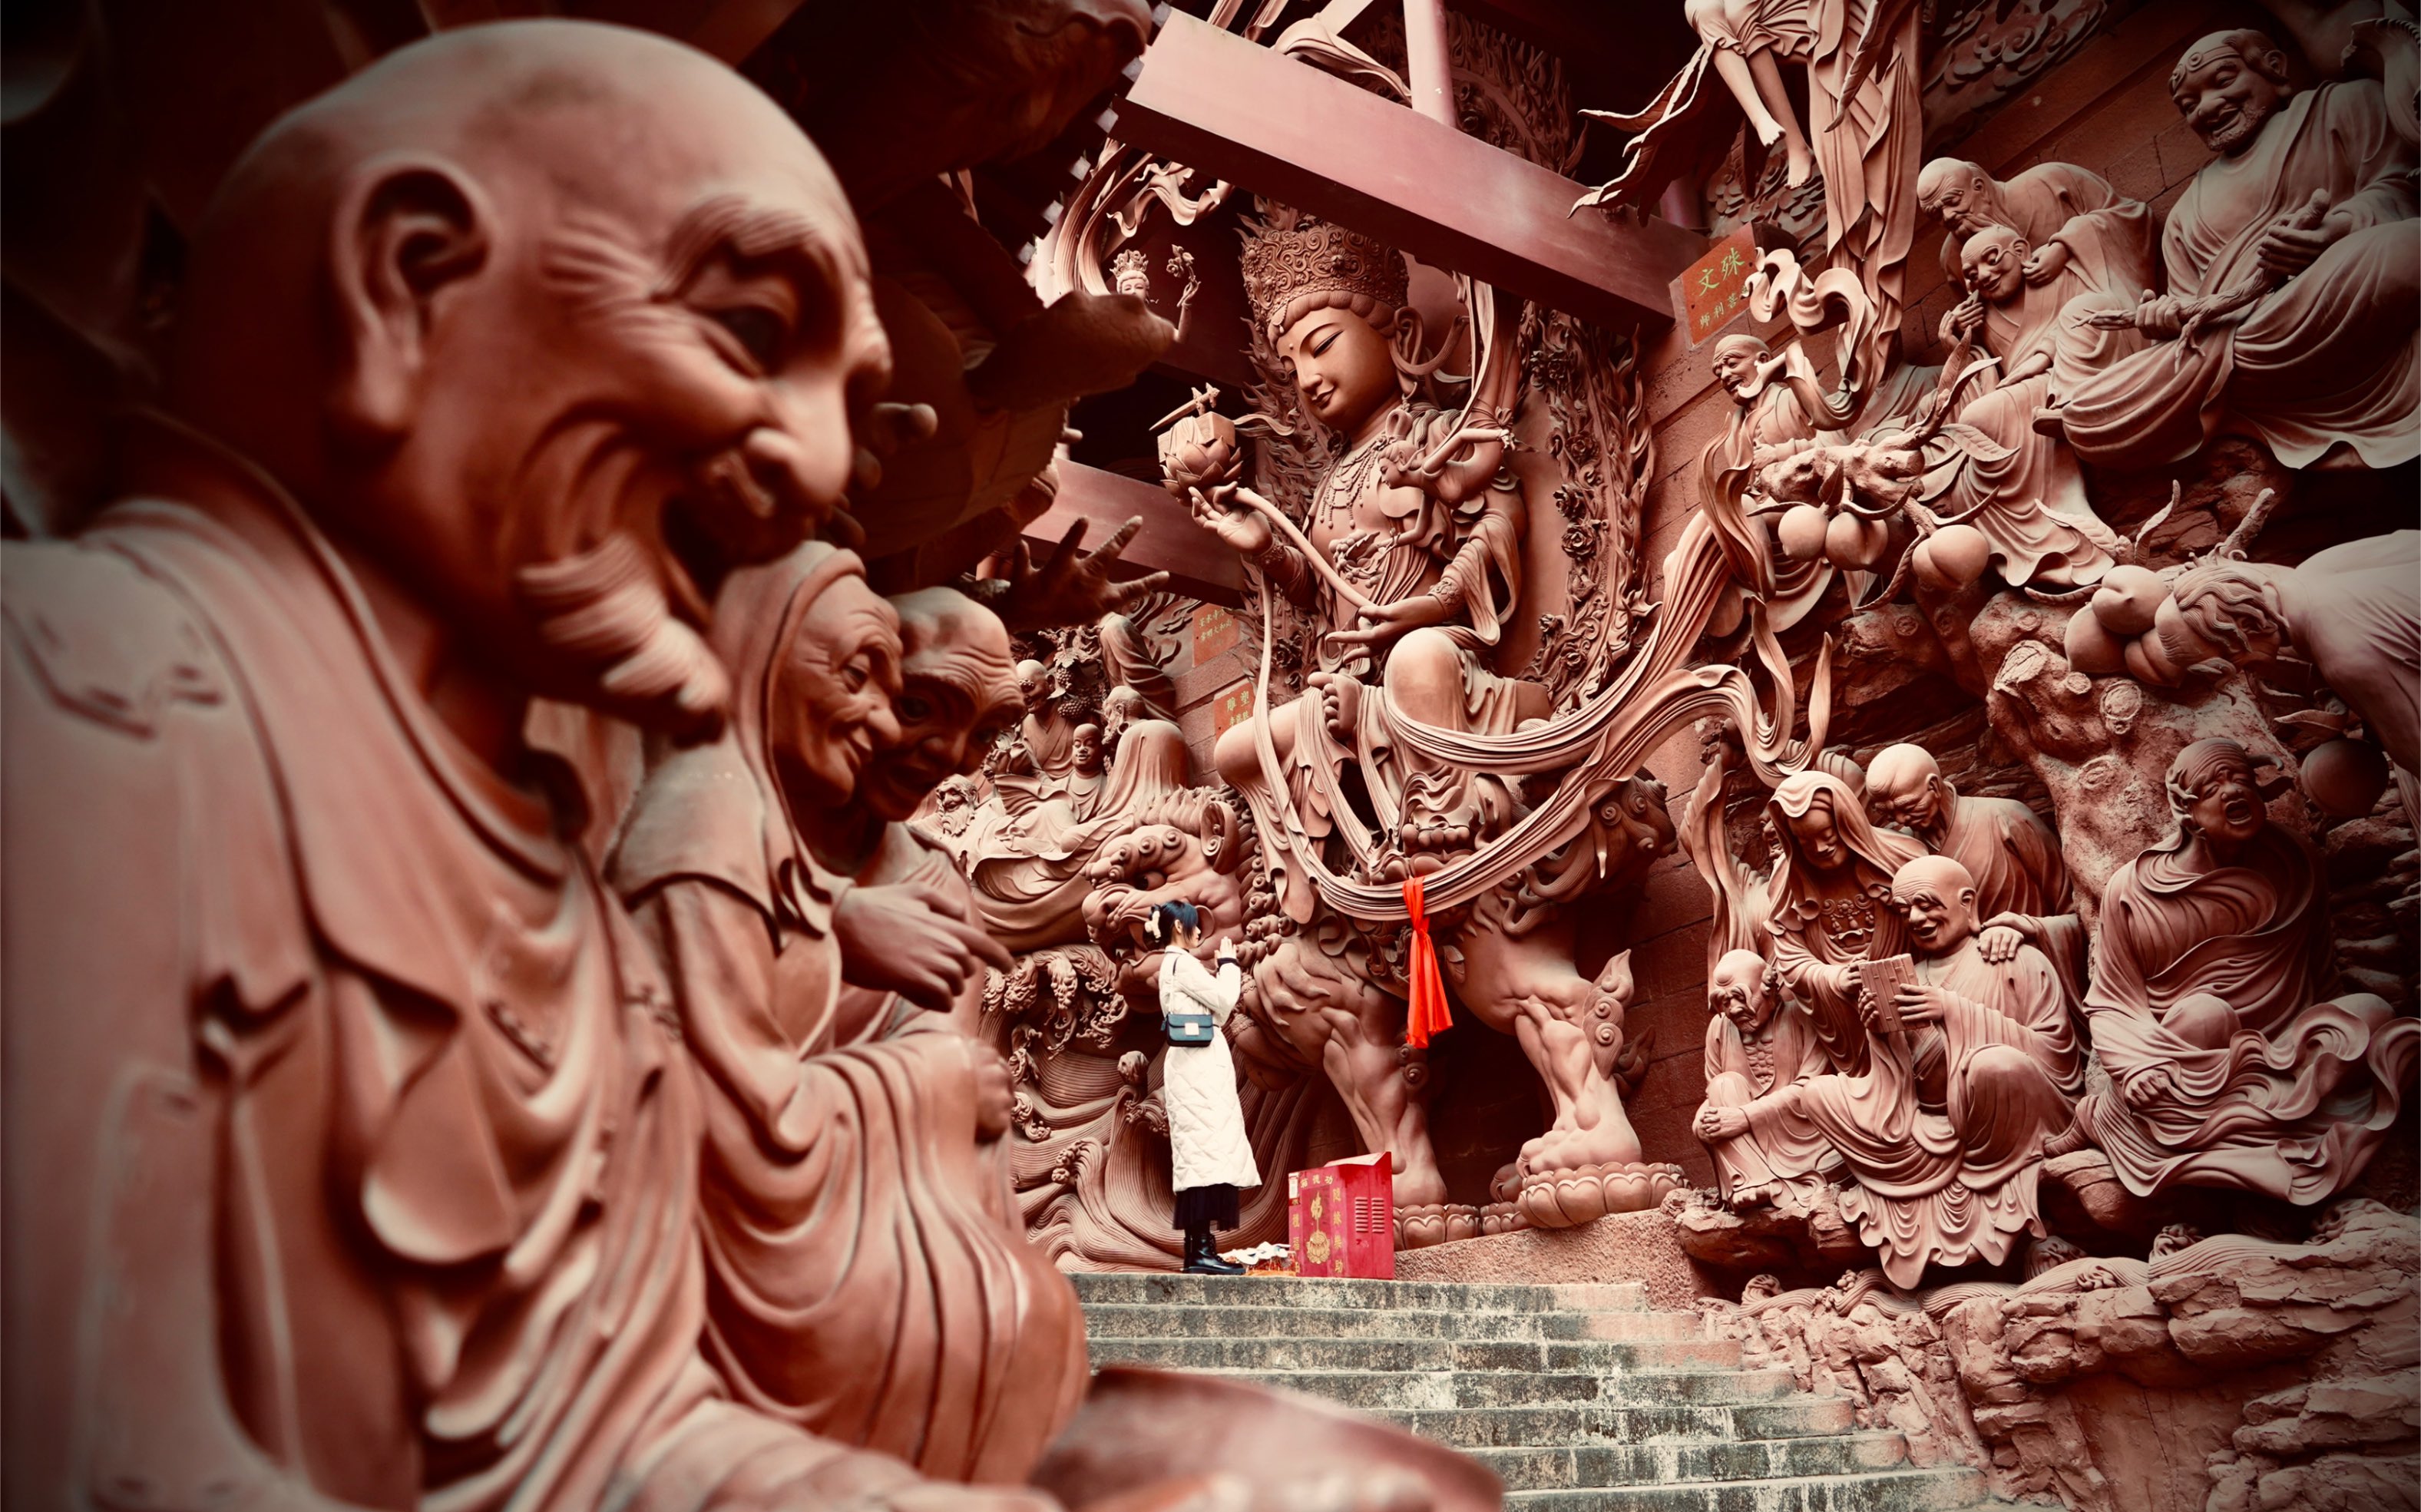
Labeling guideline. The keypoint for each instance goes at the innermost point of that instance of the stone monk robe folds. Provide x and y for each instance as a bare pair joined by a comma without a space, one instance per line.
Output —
1944,1133
2232,1064
865,1276
340,1091
2310,332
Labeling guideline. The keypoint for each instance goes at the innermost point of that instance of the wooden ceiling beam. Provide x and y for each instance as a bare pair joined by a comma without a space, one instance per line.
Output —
1233,110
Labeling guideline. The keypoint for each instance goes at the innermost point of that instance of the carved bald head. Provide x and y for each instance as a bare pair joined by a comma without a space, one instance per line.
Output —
1034,686
552,322
1992,261
1738,365
2228,85
1085,748
1964,196
2214,793
1937,897
1743,989
1905,786
958,690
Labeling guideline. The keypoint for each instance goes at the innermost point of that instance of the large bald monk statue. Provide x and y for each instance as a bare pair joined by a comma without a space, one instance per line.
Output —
2298,255
351,1158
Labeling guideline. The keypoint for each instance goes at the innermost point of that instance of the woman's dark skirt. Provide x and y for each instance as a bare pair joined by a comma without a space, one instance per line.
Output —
1214,1205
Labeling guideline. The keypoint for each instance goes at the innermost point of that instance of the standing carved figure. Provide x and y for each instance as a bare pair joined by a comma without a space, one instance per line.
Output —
367,1162
2233,1061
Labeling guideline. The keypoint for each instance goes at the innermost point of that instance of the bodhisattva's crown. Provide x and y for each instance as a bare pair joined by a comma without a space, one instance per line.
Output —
1285,263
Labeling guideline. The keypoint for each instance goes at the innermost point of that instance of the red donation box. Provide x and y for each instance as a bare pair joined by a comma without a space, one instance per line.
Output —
1341,1219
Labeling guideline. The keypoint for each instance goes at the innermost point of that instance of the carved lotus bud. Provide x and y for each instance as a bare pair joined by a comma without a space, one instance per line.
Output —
1199,451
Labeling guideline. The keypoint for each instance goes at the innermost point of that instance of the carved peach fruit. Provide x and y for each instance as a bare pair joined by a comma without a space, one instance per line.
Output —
1802,533
2147,662
2127,598
1953,556
2345,777
2091,648
1856,542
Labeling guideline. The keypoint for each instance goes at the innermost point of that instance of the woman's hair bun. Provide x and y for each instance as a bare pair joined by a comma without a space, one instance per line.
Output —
1166,917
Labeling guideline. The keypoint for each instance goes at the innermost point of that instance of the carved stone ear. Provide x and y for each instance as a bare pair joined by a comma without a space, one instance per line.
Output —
1218,830
405,226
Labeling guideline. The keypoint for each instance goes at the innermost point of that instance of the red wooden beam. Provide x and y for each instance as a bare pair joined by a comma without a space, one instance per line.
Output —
1198,565
1236,111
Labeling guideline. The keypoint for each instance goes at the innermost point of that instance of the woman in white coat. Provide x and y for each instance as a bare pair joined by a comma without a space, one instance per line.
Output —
1210,1154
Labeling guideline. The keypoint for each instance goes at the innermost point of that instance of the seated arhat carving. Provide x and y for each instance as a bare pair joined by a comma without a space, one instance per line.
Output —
2293,279
1971,1067
2233,1060
1760,1048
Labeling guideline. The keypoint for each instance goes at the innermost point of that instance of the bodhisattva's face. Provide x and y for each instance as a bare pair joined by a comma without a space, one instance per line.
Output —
1939,919
831,709
1994,263
1342,368
1738,990
2227,101
949,714
1818,839
2228,808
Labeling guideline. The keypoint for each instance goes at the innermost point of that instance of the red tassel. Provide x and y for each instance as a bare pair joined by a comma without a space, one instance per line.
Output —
1429,1015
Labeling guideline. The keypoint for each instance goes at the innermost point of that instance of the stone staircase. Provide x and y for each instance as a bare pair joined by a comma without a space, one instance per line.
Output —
1577,1396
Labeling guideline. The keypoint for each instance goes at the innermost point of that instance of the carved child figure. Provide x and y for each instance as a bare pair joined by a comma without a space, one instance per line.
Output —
1759,1049
1944,1133
2232,1063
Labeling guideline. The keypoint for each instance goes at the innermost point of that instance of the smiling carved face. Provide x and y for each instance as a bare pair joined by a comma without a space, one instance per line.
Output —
1993,262
1342,368
2224,97
831,707
554,322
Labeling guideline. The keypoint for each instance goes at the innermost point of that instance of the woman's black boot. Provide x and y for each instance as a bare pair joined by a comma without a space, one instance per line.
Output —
1202,1255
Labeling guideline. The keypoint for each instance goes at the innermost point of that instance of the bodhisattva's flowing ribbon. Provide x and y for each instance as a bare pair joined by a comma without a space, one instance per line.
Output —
1429,1015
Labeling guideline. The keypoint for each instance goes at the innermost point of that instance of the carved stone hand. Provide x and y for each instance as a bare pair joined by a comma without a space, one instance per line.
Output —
1073,586
912,940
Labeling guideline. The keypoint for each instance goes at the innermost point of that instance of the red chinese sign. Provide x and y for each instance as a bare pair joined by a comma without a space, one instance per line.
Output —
1214,633
1233,707
1716,286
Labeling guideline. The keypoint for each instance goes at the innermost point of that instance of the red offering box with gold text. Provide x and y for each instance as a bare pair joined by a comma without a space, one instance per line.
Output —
1341,1219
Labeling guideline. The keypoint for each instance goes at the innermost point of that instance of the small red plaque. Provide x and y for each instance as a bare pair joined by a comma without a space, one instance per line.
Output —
1716,286
1233,707
1214,633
